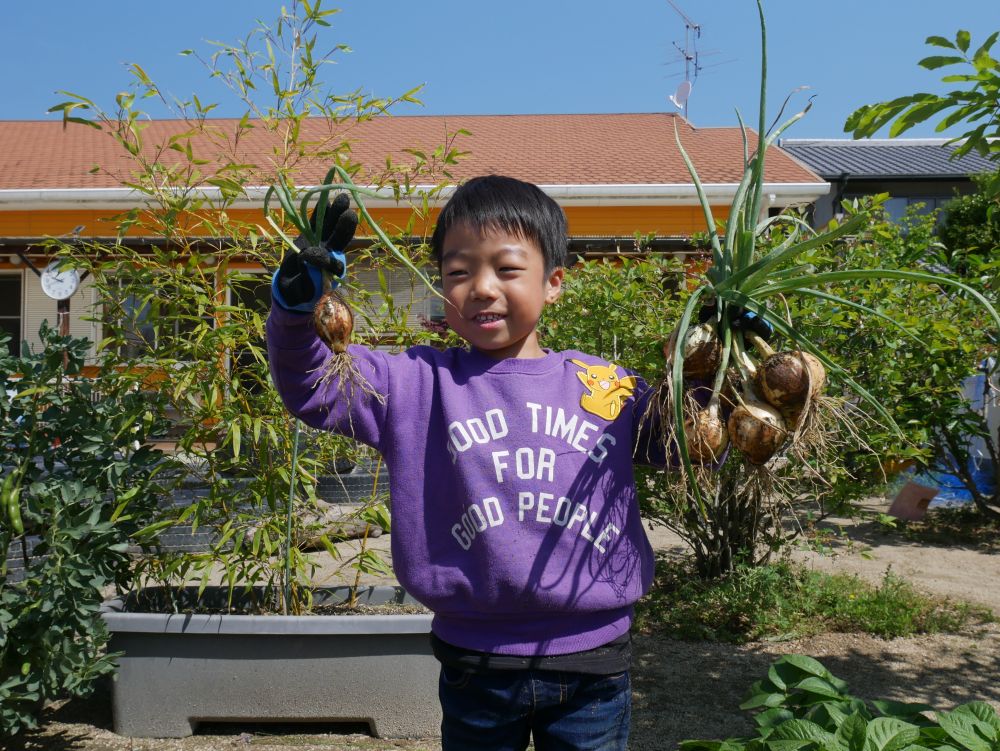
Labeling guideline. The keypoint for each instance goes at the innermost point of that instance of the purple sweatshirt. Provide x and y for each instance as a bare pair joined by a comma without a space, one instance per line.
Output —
513,506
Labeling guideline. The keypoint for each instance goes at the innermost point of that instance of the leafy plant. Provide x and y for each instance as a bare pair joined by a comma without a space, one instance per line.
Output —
970,230
80,482
969,235
919,373
802,705
617,308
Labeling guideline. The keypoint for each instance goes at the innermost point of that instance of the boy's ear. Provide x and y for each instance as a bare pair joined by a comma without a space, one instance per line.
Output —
553,285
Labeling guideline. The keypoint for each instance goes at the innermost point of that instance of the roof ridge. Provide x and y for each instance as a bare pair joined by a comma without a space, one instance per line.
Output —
389,116
869,141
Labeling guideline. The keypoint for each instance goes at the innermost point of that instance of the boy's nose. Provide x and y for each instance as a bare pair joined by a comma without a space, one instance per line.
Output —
484,287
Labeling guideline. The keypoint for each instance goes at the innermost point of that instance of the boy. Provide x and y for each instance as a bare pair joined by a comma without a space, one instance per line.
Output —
514,506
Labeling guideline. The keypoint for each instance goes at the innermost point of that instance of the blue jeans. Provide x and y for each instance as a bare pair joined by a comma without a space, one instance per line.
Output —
498,710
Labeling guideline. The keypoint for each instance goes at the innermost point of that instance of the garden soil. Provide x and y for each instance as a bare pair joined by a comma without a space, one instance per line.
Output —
688,690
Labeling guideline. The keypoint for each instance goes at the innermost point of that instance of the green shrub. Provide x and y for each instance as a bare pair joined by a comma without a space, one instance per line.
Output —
803,707
782,600
184,315
84,482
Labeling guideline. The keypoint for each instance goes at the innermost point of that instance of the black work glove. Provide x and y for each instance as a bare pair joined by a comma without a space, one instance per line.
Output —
740,319
299,282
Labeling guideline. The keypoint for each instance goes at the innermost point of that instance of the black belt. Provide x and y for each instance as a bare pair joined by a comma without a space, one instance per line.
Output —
607,659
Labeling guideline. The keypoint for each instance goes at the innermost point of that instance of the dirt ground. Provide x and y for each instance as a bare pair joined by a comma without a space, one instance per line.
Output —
688,690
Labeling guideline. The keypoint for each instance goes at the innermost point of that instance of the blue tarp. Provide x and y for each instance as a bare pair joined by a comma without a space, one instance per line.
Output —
952,491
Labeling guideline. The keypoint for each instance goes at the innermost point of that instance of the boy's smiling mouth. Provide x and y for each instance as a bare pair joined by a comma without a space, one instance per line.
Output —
485,319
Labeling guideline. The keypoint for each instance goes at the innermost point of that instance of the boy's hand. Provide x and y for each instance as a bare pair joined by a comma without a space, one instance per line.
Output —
299,281
746,320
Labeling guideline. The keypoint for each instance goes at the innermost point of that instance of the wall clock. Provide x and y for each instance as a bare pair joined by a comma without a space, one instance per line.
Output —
59,282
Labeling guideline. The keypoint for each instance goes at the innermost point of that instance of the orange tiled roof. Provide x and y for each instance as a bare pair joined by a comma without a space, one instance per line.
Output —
598,149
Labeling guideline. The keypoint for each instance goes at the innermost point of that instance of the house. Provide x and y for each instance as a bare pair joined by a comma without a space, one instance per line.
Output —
615,175
911,170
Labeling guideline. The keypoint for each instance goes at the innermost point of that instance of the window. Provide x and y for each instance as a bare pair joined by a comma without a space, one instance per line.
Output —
145,320
897,206
250,292
412,303
10,310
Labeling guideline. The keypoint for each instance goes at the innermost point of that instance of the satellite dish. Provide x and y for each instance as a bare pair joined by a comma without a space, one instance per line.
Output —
679,98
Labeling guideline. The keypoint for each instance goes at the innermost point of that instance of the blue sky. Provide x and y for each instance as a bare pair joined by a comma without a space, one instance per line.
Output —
518,56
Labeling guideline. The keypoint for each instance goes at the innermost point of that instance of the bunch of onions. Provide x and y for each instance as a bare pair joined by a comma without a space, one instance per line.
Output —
780,388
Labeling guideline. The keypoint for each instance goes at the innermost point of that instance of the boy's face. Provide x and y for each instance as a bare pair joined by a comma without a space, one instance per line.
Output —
495,288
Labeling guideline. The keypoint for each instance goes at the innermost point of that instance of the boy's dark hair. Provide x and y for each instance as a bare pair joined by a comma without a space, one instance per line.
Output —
496,203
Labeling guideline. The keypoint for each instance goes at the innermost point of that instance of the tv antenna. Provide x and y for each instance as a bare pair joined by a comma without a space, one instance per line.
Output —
692,32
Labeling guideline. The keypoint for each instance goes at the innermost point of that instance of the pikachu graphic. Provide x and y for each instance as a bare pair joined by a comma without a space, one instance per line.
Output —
607,391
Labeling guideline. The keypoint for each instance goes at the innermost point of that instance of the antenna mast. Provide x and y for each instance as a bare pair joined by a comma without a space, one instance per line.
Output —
692,32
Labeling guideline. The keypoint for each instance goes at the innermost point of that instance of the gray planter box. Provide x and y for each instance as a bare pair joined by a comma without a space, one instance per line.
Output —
180,670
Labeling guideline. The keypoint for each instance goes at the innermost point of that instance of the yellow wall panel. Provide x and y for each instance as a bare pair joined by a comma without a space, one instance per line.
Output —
583,220
627,220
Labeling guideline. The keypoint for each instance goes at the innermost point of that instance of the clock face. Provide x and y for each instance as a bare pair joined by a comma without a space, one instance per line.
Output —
59,283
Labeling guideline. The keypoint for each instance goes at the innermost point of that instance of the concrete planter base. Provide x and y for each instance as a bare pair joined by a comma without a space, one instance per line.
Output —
180,670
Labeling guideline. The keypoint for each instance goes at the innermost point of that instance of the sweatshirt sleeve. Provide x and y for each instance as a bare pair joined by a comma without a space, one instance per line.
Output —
354,406
647,429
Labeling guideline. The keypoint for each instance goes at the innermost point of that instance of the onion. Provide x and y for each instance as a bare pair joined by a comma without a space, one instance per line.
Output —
334,321
787,379
705,433
757,429
702,351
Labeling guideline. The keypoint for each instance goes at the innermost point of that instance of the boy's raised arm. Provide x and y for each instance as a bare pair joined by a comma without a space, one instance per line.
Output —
299,359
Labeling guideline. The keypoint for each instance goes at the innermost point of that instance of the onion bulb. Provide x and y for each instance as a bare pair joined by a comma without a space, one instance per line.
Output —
705,433
757,429
334,321
702,351
334,324
787,379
